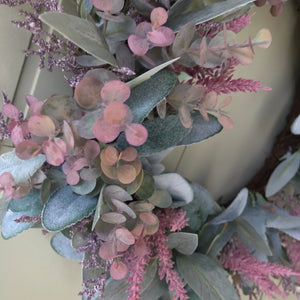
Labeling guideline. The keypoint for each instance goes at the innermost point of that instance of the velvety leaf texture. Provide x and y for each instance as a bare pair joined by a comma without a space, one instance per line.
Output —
63,246
182,13
81,32
145,96
208,280
28,206
20,169
65,208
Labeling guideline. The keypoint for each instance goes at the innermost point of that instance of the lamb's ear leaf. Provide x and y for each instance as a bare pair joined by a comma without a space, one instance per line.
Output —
146,95
81,32
65,208
207,279
29,206
63,246
183,12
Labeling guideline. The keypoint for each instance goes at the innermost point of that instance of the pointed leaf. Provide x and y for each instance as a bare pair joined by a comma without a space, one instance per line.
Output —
65,208
283,173
184,242
21,170
208,280
99,208
234,210
81,32
63,246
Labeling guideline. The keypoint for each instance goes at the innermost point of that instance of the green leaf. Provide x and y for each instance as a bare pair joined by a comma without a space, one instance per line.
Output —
234,210
251,238
184,242
65,208
98,210
81,32
147,75
120,31
185,11
147,187
201,129
145,96
201,207
282,174
84,187
208,280
283,221
177,186
161,198
21,170
28,206
63,246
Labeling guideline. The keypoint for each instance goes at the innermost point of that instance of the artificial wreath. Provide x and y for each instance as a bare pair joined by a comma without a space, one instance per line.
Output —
146,76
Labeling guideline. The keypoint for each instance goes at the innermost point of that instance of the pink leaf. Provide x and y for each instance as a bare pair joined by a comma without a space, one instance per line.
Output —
115,90
125,236
129,154
27,149
53,152
79,164
91,150
41,126
210,100
112,6
225,102
108,250
162,36
116,113
17,135
68,135
225,121
158,17
244,55
118,270
142,29
34,104
139,46
10,111
136,134
88,92
185,116
104,132
72,177
61,144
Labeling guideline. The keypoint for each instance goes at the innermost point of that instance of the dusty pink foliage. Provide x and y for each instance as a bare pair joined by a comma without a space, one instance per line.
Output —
238,259
7,185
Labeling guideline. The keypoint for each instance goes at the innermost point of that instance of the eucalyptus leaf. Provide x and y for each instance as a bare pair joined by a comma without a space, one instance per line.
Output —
200,207
282,174
183,11
293,232
283,222
147,75
21,170
177,186
63,246
99,206
207,279
145,96
116,192
161,198
81,32
65,208
88,61
28,206
85,124
184,242
234,210
120,31
275,244
252,239
84,187
147,187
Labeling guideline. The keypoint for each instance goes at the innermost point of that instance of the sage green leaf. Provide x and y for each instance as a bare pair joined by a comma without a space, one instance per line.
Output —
200,207
283,221
84,187
185,11
21,170
177,186
145,96
88,61
147,187
63,246
99,206
147,75
234,210
120,31
184,242
84,126
65,208
207,279
251,238
28,206
81,32
161,198
282,174
201,129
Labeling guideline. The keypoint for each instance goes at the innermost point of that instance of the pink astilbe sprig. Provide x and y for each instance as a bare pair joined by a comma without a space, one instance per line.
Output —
239,260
